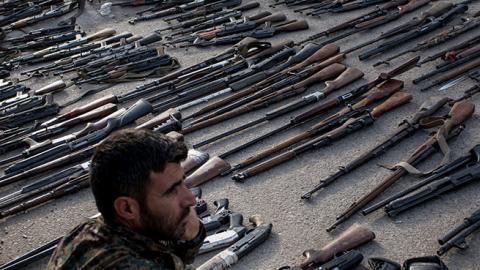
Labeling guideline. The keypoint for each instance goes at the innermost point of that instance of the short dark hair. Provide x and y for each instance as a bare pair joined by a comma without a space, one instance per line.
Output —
122,163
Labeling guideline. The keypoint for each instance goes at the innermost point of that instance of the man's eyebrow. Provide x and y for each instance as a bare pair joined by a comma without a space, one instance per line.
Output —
174,185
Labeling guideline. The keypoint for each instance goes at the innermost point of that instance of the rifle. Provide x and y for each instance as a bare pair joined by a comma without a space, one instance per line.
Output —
59,11
21,14
300,55
440,38
325,106
435,11
233,28
211,20
454,48
455,180
348,127
346,77
71,143
353,237
183,8
204,10
231,255
197,90
38,54
322,75
406,129
268,31
456,55
453,73
419,31
456,237
462,162
269,79
459,113
32,35
52,130
345,7
468,93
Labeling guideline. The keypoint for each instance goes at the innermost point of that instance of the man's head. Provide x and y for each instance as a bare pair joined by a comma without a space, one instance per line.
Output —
137,181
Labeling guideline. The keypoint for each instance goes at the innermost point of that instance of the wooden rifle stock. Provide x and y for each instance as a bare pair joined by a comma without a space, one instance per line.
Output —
209,170
355,236
293,26
412,5
323,53
194,159
56,86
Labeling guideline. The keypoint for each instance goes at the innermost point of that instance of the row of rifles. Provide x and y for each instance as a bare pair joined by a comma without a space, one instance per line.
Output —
249,76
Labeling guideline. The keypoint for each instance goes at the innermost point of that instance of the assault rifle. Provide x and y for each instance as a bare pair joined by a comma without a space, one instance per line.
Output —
31,35
454,49
59,11
417,32
348,127
460,112
440,38
405,129
459,164
210,20
345,7
416,23
213,5
456,237
265,32
455,180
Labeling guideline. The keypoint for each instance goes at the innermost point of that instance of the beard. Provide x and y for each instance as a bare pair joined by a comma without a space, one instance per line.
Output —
162,228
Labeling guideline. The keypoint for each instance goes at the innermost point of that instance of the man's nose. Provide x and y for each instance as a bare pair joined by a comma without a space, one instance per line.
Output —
188,199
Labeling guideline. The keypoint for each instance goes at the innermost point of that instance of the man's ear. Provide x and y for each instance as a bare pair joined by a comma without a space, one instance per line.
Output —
127,208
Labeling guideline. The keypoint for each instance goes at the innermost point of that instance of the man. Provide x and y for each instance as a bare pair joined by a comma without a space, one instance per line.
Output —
148,220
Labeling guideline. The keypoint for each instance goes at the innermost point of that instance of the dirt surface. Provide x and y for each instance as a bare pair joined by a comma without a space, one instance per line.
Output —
275,194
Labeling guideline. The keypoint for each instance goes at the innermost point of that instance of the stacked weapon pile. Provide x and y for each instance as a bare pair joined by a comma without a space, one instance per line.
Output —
248,76
221,22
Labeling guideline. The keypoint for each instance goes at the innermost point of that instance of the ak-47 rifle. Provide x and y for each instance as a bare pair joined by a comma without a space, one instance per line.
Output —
434,189
440,38
59,11
345,7
405,129
466,64
183,8
454,48
417,32
435,11
459,113
348,127
265,32
210,20
205,10
457,165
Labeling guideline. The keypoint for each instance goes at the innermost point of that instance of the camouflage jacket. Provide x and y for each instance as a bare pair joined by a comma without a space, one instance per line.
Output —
96,245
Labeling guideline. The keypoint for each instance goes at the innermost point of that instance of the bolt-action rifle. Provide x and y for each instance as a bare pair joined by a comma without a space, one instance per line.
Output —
459,113
348,127
405,129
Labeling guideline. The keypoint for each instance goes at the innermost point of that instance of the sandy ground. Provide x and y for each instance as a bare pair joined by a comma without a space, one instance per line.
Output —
275,195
